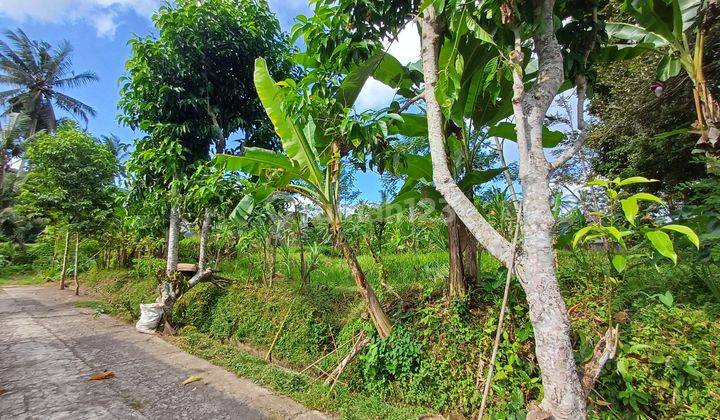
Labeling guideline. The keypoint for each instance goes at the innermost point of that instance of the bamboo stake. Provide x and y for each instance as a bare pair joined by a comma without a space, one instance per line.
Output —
498,332
327,355
268,356
334,376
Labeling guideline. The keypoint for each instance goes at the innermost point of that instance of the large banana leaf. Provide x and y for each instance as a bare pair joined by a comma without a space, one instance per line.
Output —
382,66
412,125
255,160
668,19
475,178
297,146
635,34
619,52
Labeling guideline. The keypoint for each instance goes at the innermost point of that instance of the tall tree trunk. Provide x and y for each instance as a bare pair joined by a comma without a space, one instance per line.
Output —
377,313
64,260
3,164
563,397
169,286
457,287
204,232
462,249
173,242
75,264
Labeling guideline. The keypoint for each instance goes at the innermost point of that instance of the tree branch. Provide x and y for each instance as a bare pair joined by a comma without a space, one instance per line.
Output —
495,243
581,82
410,102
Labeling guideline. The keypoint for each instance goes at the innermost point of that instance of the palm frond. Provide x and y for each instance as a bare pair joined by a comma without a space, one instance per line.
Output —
77,80
26,49
73,106
56,66
11,62
15,129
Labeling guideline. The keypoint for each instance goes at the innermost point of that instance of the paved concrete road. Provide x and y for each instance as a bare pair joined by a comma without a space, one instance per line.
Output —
49,349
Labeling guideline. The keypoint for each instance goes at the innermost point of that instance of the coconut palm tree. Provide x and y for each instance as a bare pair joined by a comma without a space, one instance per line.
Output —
35,72
11,136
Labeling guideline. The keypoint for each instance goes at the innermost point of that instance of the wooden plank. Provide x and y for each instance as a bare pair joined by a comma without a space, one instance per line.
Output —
187,267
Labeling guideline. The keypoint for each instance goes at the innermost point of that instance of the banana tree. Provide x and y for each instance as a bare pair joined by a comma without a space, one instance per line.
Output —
666,26
312,160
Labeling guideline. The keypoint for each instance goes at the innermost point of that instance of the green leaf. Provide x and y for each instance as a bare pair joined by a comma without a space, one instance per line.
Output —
668,67
412,125
630,208
663,244
296,145
506,130
635,34
616,234
689,12
244,208
580,234
418,167
635,180
597,182
666,298
255,160
476,178
689,233
382,66
646,197
619,262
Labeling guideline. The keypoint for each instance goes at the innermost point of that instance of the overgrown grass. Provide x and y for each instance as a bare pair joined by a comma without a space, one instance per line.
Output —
22,279
312,394
667,364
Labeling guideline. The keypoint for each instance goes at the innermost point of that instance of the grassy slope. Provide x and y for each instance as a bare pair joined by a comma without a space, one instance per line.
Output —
668,365
22,279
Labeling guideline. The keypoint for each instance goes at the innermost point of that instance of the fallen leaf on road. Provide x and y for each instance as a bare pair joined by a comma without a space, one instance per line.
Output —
2,390
102,376
191,379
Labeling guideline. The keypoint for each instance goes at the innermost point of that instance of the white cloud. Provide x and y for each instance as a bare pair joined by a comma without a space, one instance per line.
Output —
407,50
105,24
374,95
101,14
407,46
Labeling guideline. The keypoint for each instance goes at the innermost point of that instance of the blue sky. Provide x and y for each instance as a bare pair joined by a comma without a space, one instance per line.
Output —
99,31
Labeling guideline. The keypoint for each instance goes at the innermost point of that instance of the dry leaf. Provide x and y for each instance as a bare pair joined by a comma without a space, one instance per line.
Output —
191,379
2,390
102,375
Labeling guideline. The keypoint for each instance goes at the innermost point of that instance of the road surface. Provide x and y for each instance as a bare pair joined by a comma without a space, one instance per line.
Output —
49,349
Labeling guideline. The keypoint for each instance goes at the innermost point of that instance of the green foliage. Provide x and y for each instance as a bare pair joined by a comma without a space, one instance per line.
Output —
628,241
76,191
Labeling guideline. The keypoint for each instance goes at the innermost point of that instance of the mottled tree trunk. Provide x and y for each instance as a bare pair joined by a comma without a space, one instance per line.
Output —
204,233
168,288
563,397
173,241
75,264
64,260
